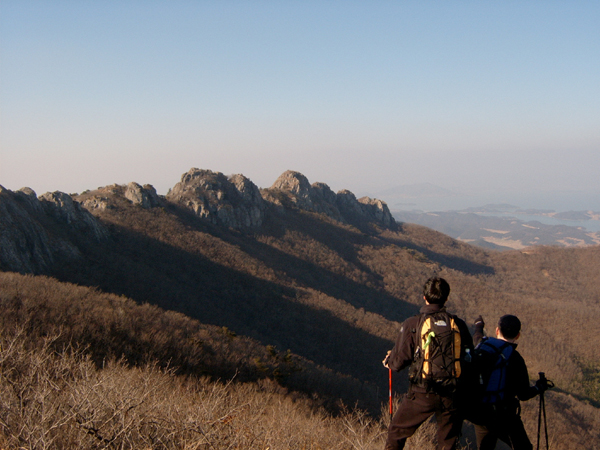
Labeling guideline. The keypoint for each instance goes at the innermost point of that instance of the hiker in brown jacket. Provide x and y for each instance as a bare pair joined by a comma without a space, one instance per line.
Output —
435,394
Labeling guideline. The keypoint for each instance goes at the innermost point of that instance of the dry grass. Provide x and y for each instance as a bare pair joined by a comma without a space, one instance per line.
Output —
56,395
61,400
56,400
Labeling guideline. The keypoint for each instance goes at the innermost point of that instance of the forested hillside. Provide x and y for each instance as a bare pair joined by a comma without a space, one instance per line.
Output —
294,284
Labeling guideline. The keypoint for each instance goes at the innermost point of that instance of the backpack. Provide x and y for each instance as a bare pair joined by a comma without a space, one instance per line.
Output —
436,364
492,357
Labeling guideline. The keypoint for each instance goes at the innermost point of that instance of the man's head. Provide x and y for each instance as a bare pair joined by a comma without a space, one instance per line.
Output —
436,291
509,326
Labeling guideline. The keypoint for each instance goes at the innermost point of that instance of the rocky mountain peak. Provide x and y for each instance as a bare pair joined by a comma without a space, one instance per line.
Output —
30,197
108,197
318,197
377,211
298,186
145,196
293,182
232,201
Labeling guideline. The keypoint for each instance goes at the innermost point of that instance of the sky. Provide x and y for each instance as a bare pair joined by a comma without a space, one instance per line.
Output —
496,98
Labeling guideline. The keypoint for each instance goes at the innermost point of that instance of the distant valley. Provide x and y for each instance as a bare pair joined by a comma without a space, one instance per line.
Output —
508,227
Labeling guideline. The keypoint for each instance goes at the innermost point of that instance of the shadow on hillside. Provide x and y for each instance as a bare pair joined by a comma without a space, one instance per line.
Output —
582,398
454,262
341,242
149,271
341,239
345,242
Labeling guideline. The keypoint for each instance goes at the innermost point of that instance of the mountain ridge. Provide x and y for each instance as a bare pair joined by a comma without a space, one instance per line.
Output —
232,201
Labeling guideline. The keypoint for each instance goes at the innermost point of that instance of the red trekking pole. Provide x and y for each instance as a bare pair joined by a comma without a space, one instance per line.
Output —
391,403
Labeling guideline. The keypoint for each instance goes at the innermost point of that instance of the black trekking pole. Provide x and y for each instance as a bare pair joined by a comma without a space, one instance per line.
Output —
542,411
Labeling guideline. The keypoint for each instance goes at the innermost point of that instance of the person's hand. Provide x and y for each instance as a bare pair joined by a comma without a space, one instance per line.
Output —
385,360
542,385
479,322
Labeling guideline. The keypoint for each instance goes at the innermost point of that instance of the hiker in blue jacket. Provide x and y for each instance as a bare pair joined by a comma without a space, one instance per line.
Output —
505,383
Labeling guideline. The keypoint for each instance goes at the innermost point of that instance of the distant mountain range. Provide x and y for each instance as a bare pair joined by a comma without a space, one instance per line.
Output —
430,197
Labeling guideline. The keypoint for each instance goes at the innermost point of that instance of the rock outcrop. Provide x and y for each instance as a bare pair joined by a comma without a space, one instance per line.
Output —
35,233
144,196
232,201
376,210
115,195
319,198
63,208
236,202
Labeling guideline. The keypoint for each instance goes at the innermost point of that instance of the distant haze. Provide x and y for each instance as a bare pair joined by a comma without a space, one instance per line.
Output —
427,197
494,101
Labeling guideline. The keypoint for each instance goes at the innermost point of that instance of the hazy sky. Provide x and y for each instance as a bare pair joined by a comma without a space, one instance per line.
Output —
473,96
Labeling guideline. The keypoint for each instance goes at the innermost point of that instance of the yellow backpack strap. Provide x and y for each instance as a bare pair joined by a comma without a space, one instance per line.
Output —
425,331
457,346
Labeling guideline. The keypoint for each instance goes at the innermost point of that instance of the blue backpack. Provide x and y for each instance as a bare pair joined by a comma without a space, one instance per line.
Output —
492,356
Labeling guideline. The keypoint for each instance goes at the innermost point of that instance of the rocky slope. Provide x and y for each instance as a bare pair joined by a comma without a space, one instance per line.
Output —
34,231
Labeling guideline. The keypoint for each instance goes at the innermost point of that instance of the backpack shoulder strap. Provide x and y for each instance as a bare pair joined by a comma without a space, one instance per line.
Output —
424,338
505,352
416,368
498,347
457,345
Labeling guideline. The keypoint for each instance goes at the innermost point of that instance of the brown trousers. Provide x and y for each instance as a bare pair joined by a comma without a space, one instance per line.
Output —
414,409
508,428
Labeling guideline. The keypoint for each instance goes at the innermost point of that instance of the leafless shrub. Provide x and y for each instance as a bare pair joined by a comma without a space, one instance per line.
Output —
55,400
34,389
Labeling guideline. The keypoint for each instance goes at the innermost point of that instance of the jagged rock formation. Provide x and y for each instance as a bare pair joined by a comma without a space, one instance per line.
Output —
232,201
96,202
34,232
63,208
236,202
365,209
107,197
318,197
145,196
